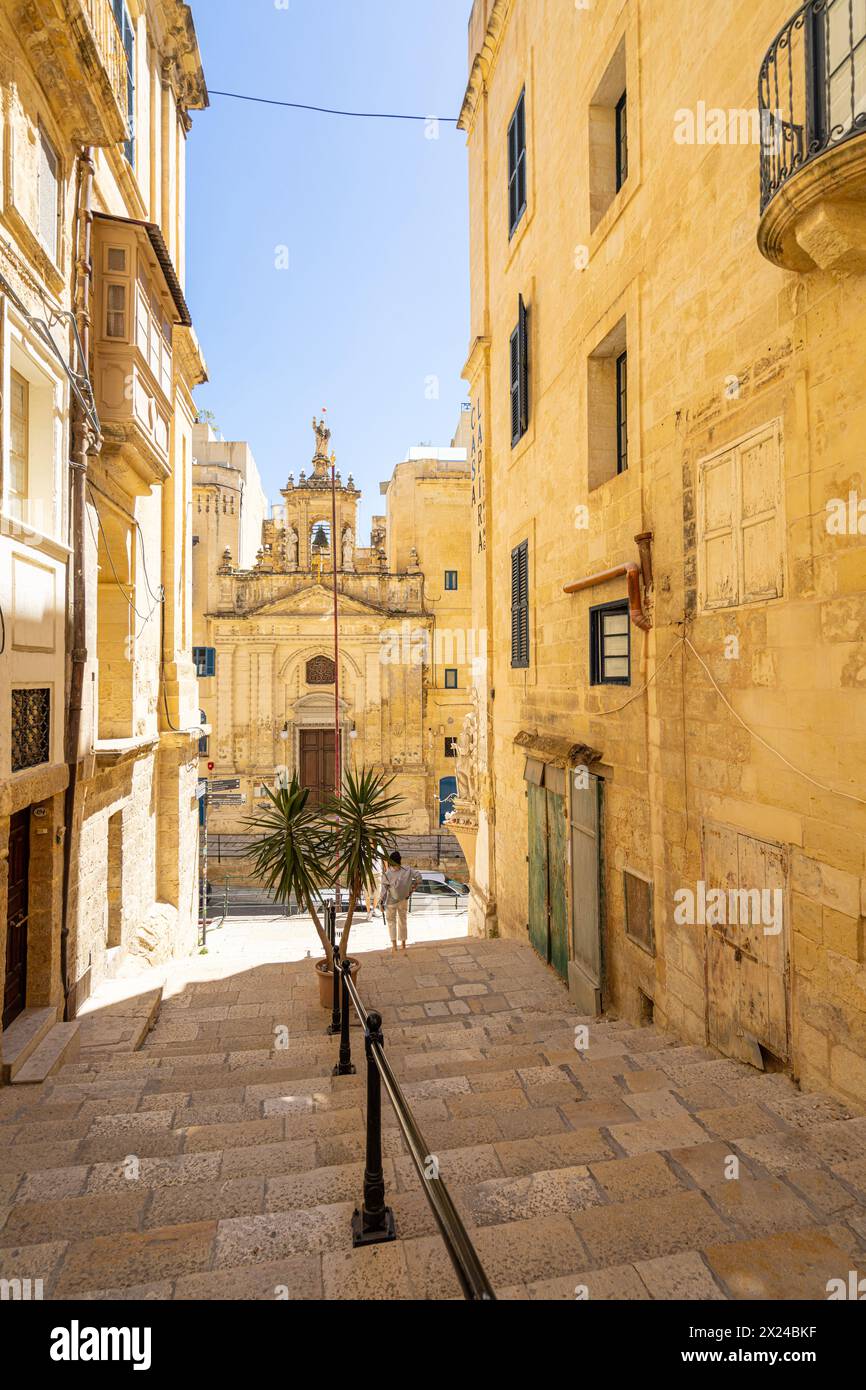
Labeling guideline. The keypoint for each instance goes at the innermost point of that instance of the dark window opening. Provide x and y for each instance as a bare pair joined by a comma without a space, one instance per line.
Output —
622,413
451,679
621,141
204,660
610,645
451,747
519,363
517,166
451,581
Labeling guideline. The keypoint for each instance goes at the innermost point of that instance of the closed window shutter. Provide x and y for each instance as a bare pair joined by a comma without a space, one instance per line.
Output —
520,170
512,173
48,195
517,165
523,339
515,387
520,605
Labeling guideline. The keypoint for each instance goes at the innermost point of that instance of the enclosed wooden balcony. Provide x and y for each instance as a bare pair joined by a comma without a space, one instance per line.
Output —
138,304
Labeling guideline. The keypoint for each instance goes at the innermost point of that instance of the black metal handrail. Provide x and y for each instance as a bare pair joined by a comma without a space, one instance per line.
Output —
374,1222
811,94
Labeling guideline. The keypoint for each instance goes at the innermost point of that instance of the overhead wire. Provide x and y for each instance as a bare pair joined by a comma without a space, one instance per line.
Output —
686,642
333,111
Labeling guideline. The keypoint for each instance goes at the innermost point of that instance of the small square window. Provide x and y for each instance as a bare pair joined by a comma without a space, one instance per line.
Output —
610,645
204,659
451,679
117,260
451,581
451,747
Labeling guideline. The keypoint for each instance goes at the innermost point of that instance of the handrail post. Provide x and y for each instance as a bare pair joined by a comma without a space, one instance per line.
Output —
374,1223
345,1067
335,1027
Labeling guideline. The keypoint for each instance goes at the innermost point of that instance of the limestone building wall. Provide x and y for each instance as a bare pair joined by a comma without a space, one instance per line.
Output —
744,422
131,831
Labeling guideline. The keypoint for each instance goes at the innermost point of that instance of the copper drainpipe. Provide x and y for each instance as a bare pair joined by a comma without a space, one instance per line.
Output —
632,573
82,443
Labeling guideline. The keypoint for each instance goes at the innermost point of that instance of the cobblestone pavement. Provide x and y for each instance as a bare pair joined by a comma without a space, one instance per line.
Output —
214,1164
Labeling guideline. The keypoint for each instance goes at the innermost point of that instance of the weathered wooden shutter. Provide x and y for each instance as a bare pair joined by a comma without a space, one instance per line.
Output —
520,605
515,387
512,173
517,165
523,338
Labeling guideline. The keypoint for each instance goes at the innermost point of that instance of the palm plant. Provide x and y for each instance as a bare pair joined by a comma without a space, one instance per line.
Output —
363,827
293,855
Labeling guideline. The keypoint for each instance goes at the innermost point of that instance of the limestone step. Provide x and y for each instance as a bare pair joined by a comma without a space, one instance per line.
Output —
60,1046
22,1037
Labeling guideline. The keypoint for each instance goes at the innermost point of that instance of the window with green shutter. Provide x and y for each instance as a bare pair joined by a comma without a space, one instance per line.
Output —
520,606
517,165
204,660
519,365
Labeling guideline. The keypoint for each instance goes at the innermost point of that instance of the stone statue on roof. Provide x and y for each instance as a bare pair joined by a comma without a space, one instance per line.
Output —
323,438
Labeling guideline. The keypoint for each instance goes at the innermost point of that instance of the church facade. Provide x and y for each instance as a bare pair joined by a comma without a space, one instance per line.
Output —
271,703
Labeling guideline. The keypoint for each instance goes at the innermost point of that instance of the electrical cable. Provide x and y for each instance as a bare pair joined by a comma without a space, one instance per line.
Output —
822,786
687,642
144,619
332,111
643,690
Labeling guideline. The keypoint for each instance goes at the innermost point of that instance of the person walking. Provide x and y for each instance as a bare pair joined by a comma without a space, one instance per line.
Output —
398,885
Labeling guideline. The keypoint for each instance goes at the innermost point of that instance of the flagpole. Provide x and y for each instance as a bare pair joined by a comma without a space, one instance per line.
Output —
338,769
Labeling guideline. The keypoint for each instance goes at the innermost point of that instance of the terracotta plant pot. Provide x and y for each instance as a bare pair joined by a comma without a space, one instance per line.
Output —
326,981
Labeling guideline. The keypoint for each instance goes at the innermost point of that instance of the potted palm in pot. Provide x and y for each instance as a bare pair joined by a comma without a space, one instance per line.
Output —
364,825
293,856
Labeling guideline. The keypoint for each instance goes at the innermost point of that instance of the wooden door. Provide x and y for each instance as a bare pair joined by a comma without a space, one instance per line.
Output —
318,763
539,920
748,974
548,900
15,983
557,873
586,894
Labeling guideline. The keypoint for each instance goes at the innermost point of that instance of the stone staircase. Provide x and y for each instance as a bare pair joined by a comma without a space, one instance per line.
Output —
223,1161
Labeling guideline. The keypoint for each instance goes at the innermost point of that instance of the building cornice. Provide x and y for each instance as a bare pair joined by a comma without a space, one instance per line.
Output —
477,361
484,63
182,65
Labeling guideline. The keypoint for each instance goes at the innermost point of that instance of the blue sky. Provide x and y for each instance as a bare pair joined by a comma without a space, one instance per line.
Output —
373,217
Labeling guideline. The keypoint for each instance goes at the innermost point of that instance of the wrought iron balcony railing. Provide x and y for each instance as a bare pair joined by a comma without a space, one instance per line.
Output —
812,89
109,41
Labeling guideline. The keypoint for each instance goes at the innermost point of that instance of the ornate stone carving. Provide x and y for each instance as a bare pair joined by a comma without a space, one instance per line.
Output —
292,548
349,550
466,805
321,671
